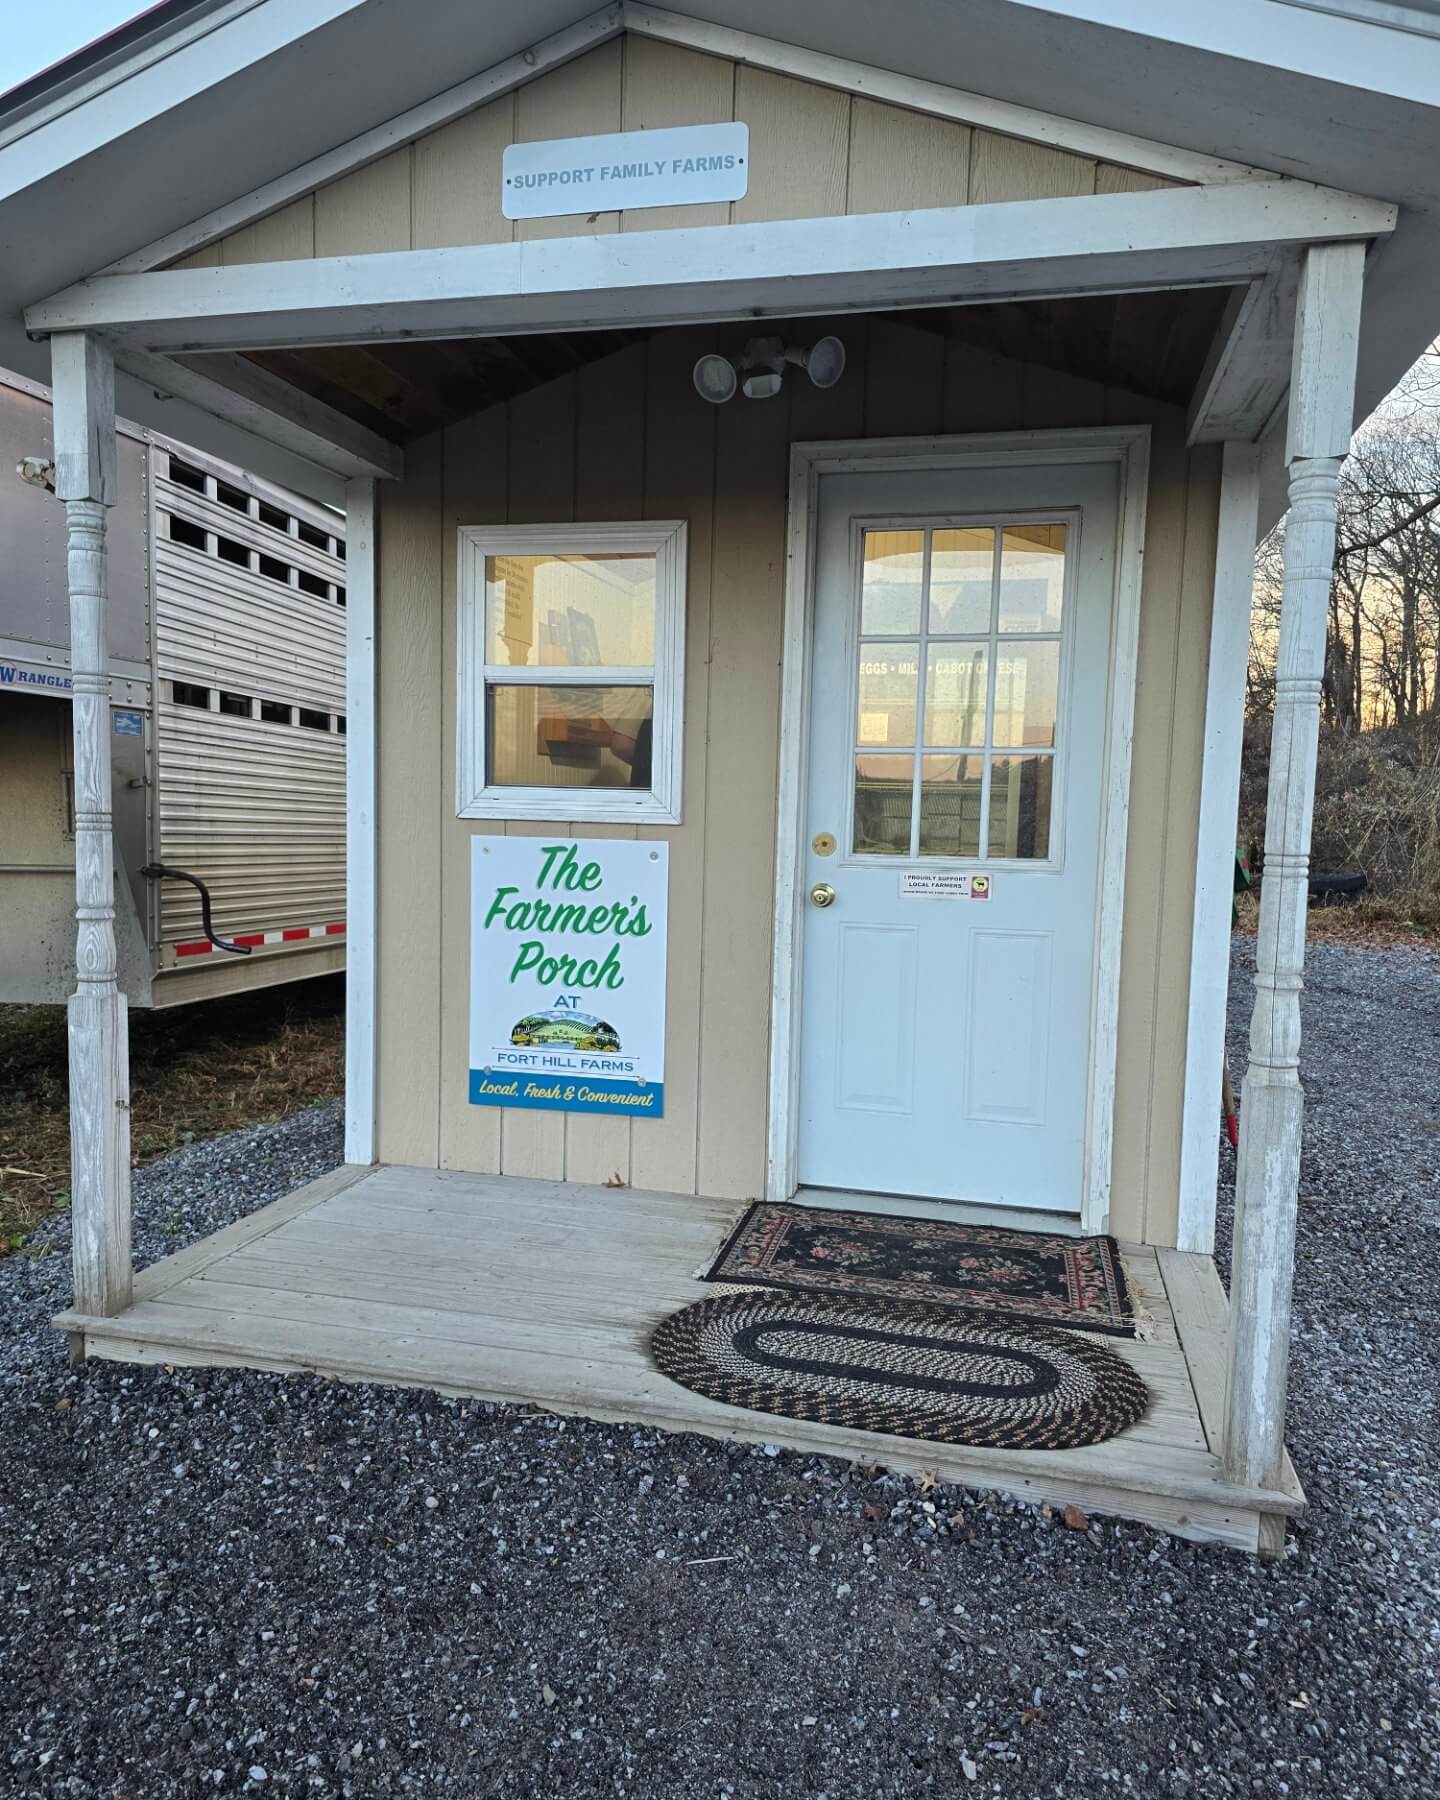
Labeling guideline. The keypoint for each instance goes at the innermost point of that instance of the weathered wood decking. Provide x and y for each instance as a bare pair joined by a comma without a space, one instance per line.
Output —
546,1293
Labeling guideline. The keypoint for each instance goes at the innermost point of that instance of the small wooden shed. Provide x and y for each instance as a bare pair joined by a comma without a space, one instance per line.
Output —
801,498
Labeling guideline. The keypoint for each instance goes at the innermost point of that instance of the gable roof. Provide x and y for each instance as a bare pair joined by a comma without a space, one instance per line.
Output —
215,98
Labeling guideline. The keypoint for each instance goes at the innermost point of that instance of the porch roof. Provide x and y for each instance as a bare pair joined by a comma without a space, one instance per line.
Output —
162,122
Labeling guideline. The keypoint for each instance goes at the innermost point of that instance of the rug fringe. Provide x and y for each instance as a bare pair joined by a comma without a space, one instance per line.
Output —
732,1225
1143,1318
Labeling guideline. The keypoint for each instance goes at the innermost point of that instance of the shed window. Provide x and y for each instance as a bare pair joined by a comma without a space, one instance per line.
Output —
572,668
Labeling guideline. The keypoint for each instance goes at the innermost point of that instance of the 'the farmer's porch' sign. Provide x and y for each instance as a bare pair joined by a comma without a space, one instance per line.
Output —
567,974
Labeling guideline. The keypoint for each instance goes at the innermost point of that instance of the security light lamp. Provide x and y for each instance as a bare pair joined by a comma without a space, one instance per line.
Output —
759,371
715,379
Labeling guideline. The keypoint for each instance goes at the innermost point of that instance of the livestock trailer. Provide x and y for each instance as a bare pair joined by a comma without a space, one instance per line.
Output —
227,723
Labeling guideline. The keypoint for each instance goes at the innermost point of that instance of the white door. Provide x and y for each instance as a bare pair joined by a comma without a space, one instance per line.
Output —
957,750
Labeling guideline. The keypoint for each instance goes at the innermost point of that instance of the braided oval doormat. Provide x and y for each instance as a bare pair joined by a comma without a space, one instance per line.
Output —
908,1370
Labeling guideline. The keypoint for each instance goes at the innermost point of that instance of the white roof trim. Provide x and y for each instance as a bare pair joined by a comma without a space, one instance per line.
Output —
933,98
715,40
1172,237
586,34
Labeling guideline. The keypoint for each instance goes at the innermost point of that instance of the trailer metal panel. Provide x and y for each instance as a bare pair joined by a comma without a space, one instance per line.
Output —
252,608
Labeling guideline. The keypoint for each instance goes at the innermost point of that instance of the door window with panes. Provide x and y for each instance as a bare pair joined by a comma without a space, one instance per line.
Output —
959,684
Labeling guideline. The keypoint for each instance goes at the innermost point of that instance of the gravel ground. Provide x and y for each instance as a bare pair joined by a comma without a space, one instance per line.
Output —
231,1584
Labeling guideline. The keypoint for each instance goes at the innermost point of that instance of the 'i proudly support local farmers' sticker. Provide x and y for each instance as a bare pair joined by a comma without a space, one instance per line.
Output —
567,974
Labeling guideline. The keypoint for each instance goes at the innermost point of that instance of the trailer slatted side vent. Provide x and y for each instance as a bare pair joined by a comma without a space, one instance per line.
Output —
184,475
189,693
251,795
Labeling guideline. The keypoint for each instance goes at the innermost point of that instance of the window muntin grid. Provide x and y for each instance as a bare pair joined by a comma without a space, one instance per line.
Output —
957,719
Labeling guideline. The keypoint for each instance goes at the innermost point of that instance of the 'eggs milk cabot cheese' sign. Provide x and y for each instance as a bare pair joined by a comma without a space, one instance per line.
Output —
679,165
567,974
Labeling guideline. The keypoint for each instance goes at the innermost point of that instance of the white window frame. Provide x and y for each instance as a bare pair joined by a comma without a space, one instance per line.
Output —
659,804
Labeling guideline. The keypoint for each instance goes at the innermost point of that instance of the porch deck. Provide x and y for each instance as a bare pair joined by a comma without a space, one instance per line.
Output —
497,1287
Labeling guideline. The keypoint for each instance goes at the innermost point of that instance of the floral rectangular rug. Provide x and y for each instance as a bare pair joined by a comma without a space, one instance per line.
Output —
1040,1278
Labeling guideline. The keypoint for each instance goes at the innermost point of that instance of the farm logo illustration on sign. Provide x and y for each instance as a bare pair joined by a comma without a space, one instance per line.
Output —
677,165
567,975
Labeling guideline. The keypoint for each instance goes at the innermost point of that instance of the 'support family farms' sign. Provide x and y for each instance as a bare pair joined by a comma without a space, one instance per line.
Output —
680,165
567,974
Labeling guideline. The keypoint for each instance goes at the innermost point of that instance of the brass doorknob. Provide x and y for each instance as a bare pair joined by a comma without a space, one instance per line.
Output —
822,894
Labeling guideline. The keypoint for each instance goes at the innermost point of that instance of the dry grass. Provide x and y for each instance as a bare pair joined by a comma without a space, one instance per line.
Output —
1377,809
195,1072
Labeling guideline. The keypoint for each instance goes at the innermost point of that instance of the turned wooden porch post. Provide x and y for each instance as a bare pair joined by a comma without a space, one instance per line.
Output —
1322,397
83,377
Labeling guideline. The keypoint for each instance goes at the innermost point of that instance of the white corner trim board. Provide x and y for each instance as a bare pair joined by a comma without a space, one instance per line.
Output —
1215,844
1129,448
361,822
1090,243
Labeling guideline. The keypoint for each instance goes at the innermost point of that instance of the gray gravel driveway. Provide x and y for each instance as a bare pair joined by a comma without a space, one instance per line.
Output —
228,1583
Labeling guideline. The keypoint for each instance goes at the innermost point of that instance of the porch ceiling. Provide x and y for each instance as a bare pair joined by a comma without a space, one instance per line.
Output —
1152,344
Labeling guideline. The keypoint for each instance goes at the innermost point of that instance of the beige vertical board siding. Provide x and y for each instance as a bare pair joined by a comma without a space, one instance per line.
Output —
456,180
412,663
609,484
582,99
1006,168
901,159
1142,978
211,257
366,211
747,588
983,391
1182,823
286,236
904,379
814,152
476,454
1110,178
1055,399
799,147
679,484
817,414
34,750
628,438
542,492
668,85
